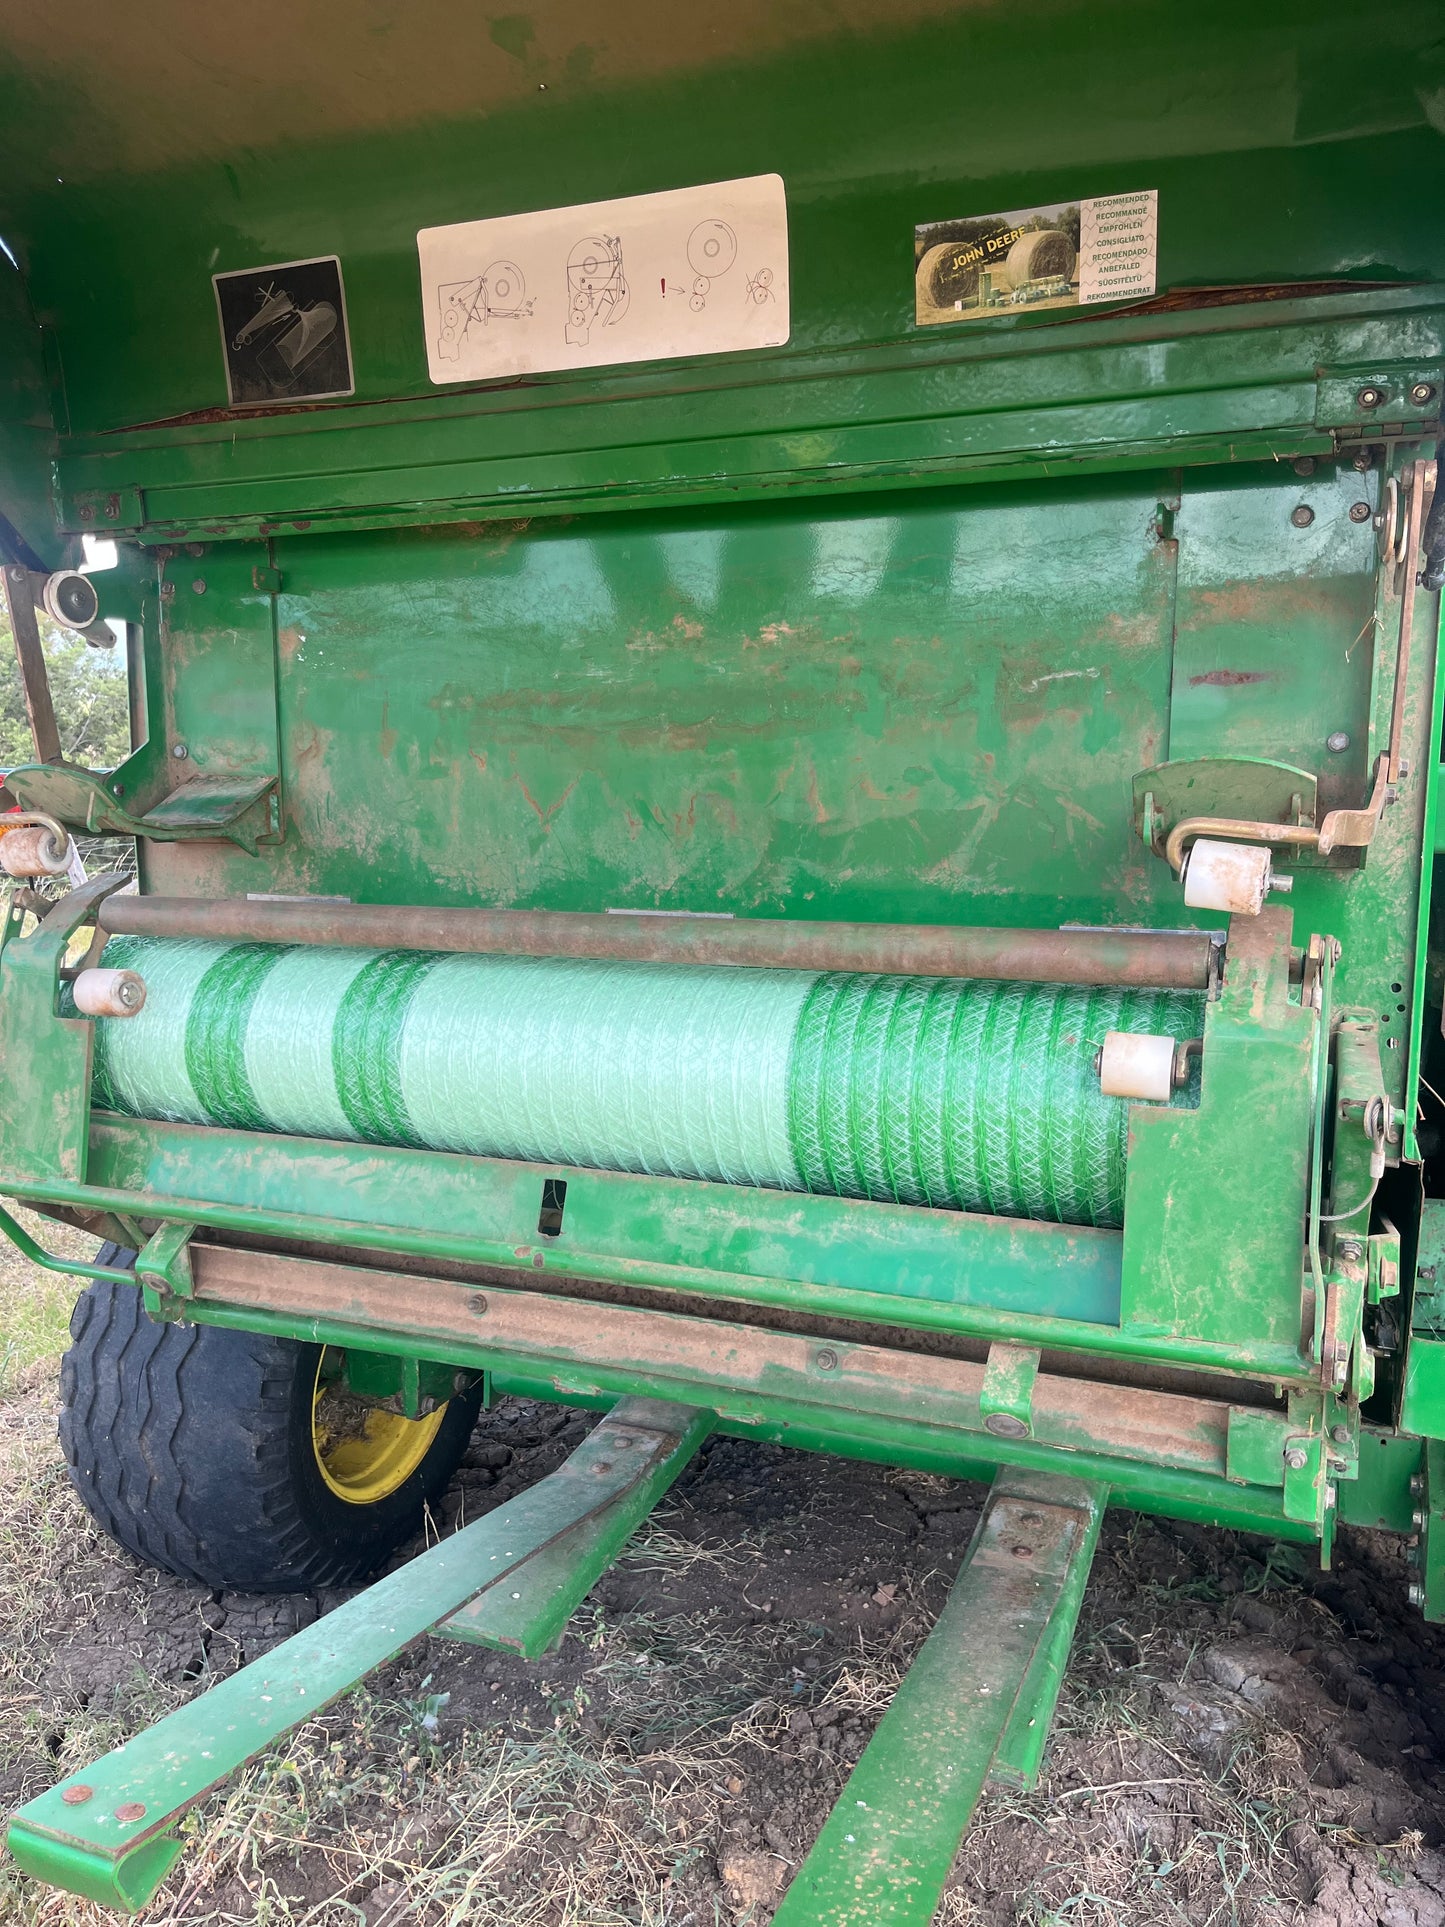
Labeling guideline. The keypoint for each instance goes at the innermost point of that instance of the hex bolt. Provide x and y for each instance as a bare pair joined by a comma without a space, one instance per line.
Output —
198,587
87,511
825,1360
1302,516
1304,465
1295,1459
1362,461
180,752
1370,396
1422,394
130,1810
1340,1434
1338,741
1417,1485
1360,511
76,1796
1350,1250
1419,1518
477,1302
1415,1593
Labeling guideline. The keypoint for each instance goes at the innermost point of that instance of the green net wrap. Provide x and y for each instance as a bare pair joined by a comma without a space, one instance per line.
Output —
978,1097
974,1096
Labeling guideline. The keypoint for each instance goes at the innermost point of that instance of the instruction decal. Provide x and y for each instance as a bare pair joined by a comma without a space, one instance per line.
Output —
693,271
1069,255
283,332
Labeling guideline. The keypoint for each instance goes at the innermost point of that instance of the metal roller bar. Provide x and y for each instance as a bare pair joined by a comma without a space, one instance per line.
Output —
1162,959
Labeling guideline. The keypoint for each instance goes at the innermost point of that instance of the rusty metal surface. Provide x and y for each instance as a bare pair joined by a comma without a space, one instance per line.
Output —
1174,960
720,1361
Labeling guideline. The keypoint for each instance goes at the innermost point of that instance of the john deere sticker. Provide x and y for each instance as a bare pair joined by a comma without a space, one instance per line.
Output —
1065,256
283,332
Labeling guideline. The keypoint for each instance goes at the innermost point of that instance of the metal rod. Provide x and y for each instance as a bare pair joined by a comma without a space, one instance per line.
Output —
34,676
1414,516
1164,959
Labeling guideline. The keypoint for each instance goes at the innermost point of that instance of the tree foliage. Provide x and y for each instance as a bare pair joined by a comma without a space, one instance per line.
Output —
88,688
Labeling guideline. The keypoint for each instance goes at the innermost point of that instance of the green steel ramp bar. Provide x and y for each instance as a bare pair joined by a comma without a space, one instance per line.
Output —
106,1831
976,1704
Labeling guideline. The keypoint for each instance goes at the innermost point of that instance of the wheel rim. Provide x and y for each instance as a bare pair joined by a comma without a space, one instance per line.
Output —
363,1452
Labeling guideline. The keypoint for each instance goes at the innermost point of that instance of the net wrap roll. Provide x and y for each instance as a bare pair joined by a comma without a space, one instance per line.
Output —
917,1090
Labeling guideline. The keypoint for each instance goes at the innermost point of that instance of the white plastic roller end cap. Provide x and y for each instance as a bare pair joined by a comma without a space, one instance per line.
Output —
34,851
1137,1066
109,993
1232,877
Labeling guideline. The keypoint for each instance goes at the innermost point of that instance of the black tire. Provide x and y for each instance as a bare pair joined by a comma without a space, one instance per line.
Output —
191,1445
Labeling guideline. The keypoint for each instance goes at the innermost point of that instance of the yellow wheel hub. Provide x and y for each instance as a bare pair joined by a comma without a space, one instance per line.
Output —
364,1452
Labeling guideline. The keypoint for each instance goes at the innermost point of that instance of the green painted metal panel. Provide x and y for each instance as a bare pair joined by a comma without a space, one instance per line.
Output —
896,1261
1284,160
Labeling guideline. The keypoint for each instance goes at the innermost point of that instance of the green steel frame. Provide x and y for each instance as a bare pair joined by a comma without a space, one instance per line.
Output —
892,625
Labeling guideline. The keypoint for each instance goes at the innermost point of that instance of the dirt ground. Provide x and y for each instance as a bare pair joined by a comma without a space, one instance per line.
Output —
1241,1738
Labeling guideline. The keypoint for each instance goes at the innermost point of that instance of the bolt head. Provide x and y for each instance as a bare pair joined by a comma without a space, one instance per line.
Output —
1302,516
1340,1434
1295,1459
76,1796
826,1360
1304,465
180,752
130,1810
1370,396
1362,461
477,1302
1360,511
1415,1593
1422,394
1338,741
1022,1552
198,587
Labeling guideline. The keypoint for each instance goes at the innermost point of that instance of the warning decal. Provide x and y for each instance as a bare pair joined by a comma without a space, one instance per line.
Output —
1067,255
694,271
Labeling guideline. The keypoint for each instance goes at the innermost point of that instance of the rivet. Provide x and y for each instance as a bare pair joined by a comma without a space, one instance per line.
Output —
825,1360
603,1465
1360,511
131,1810
76,1796
1422,394
1338,741
1302,516
477,1302
1022,1552
538,1261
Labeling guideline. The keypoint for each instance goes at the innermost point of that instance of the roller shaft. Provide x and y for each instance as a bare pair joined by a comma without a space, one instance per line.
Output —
1163,959
930,1091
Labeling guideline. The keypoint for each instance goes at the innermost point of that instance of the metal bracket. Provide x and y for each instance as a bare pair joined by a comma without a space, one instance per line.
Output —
1006,1398
163,1268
